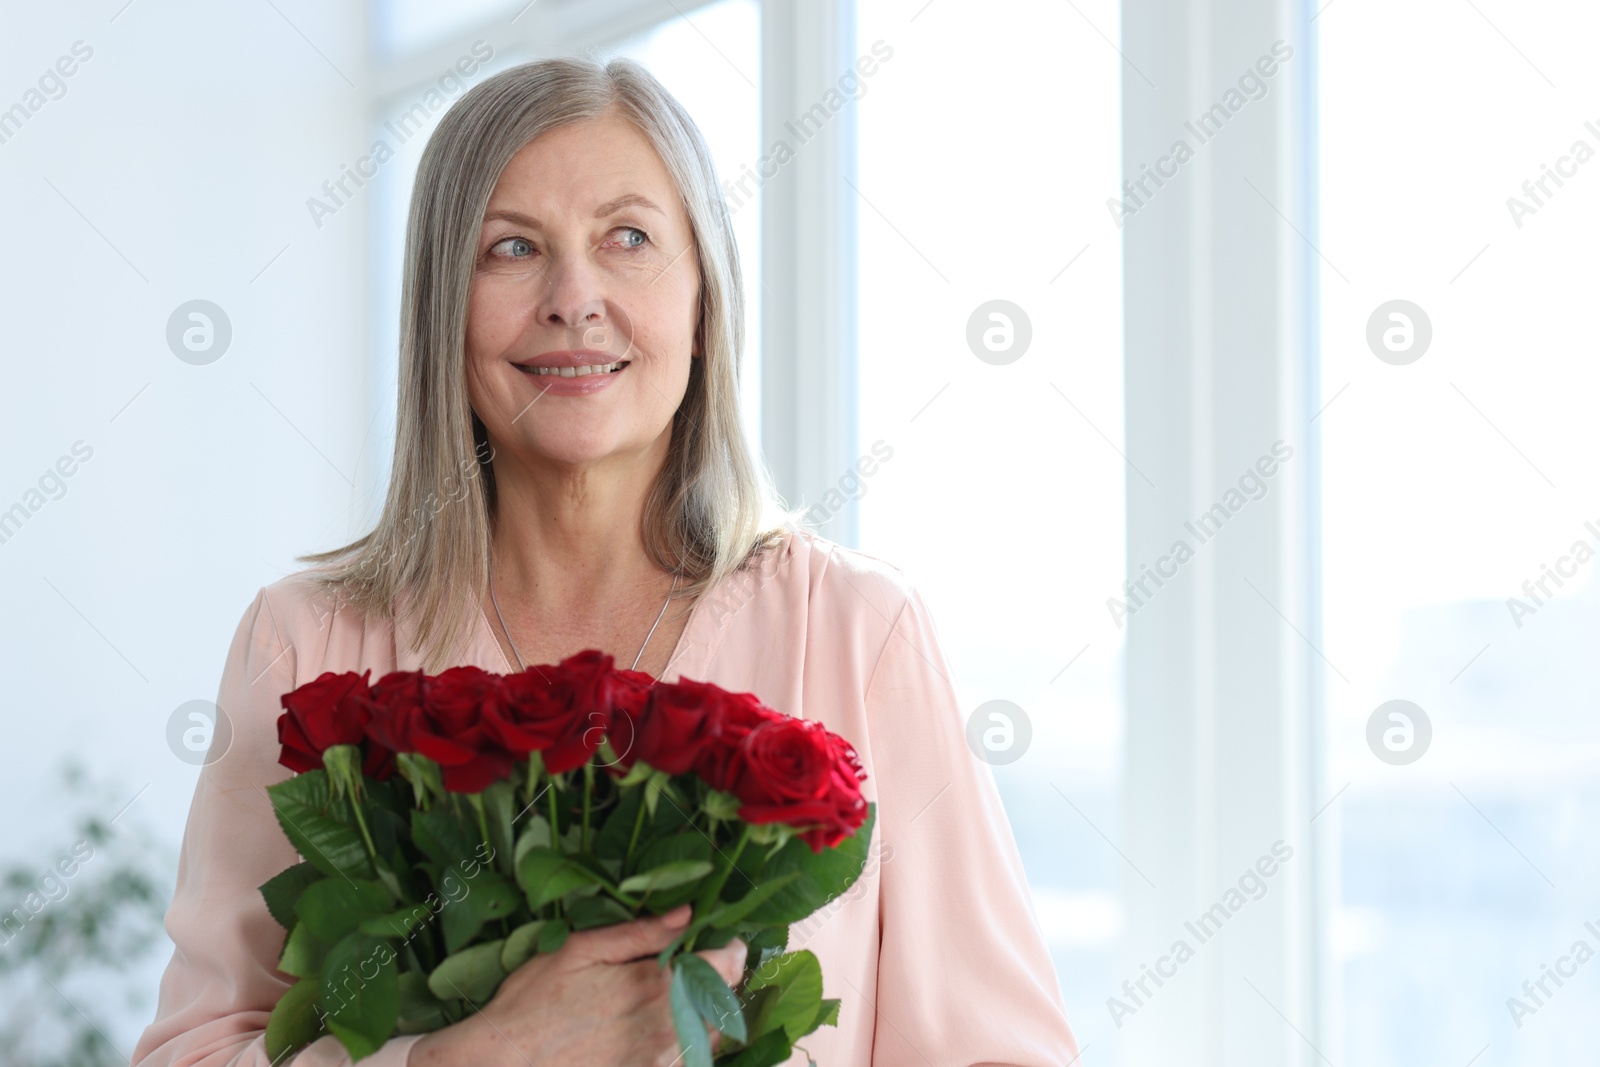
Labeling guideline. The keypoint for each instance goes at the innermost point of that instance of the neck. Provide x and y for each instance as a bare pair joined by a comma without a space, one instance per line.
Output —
566,540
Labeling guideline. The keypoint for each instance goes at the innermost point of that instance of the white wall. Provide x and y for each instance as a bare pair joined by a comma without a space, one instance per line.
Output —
175,166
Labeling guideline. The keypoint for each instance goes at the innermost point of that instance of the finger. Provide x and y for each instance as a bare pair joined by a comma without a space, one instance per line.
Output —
627,941
728,960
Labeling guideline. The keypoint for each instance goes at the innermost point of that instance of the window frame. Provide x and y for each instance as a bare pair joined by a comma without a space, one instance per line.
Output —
1224,683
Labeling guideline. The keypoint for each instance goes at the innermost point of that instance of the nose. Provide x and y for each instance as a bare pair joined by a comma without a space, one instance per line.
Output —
574,300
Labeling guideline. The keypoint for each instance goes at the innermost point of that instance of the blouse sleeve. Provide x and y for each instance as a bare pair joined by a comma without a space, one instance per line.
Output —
963,974
222,981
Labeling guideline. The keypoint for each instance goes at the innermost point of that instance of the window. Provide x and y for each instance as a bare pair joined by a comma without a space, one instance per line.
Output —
1459,555
991,395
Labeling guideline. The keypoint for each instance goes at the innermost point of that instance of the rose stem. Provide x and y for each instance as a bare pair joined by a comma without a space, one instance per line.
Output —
638,821
588,787
361,821
713,889
555,826
483,822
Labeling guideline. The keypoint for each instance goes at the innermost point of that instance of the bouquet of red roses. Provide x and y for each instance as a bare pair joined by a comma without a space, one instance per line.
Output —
454,825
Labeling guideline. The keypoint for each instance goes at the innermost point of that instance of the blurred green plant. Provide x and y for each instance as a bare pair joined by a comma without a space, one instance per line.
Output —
73,927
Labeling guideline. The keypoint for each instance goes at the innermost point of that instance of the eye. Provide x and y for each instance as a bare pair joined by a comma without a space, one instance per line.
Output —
632,237
516,242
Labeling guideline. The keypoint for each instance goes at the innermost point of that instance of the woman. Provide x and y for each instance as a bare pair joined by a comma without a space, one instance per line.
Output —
570,473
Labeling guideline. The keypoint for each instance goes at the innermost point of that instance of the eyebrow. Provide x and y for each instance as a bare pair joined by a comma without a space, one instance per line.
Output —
610,207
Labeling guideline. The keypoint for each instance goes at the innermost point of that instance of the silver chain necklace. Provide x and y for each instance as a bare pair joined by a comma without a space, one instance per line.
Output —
513,643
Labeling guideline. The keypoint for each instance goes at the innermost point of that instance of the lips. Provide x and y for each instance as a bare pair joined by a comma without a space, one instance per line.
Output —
575,373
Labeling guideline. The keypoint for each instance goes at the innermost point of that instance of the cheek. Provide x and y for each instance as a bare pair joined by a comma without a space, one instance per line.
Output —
666,316
490,321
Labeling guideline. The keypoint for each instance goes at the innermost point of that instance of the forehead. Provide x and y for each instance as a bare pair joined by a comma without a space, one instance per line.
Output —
583,164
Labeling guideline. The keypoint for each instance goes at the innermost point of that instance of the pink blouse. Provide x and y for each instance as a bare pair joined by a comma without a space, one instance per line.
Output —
935,951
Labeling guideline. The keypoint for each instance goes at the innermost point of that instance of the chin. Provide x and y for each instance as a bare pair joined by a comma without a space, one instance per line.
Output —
576,449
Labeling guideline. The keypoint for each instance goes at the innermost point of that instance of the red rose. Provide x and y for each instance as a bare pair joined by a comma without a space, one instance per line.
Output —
786,760
562,711
443,718
582,686
846,766
331,710
673,724
529,717
796,772
720,760
684,726
630,692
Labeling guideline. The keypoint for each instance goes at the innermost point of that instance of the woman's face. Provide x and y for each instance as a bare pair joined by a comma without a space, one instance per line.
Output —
585,260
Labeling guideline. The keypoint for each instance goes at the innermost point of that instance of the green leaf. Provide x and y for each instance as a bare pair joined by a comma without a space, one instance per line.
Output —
547,875
797,976
303,953
534,835
768,939
473,974
674,845
441,836
710,938
586,890
553,936
424,775
733,911
822,875
361,993
283,889
389,880
335,907
520,945
331,846
488,897
499,805
492,896
827,1015
764,946
597,911
612,841
768,1050
294,1022
639,772
420,1011
710,995
691,845
725,917
667,876
693,1040
402,923
458,924
388,823
720,806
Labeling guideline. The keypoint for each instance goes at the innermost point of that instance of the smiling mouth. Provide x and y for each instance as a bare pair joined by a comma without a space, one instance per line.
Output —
574,372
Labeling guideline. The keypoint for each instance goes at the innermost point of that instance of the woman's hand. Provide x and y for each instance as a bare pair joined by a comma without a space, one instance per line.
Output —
596,1002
